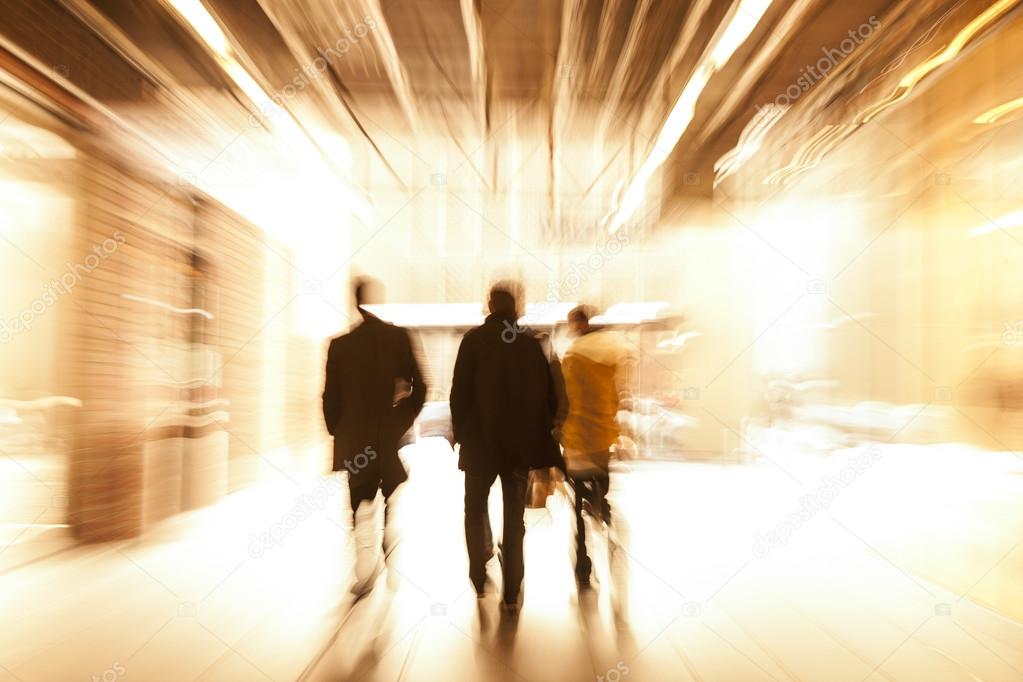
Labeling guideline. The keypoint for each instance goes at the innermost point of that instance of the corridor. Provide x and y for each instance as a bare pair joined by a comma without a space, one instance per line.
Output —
752,268
845,599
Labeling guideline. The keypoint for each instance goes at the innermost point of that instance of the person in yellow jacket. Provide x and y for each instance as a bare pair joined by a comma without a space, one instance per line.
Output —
592,369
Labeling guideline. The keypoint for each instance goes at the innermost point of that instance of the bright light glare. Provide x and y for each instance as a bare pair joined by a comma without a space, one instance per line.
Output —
205,25
910,80
678,120
1009,220
283,122
22,140
743,22
631,313
428,314
957,44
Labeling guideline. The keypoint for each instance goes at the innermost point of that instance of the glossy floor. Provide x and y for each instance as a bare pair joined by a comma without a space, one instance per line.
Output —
866,583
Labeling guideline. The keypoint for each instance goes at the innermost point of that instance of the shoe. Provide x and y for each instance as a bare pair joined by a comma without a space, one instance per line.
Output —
361,588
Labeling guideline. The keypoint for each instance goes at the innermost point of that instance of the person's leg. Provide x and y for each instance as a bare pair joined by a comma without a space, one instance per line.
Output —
364,534
478,540
618,557
582,560
513,491
602,507
390,536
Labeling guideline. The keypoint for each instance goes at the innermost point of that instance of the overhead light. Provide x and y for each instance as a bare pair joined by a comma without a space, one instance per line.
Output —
546,313
739,28
911,79
744,19
816,149
678,120
205,25
207,28
1000,111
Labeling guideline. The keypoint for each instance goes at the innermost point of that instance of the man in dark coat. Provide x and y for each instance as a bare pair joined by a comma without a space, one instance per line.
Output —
502,409
372,393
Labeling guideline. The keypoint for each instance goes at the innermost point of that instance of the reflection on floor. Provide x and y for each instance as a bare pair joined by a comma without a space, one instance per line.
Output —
33,503
256,588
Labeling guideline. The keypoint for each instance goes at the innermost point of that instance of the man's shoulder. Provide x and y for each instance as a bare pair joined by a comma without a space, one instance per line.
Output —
394,329
388,333
346,340
343,337
605,347
475,332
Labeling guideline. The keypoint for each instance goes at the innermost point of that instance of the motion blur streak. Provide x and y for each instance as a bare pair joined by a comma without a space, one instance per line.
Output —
771,252
744,18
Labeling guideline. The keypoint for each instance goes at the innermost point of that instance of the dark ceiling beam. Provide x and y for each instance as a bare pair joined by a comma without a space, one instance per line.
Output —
104,29
393,67
472,22
337,92
778,38
560,99
620,76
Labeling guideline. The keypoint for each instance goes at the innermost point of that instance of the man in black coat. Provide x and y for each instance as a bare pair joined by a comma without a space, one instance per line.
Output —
372,393
502,409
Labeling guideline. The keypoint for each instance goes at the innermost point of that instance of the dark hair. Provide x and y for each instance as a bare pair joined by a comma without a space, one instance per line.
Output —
503,298
362,289
580,313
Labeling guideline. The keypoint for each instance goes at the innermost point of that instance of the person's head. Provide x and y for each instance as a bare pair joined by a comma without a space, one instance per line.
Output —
503,299
579,320
368,291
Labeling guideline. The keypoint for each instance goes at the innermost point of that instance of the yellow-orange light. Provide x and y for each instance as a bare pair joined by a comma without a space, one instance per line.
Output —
1002,110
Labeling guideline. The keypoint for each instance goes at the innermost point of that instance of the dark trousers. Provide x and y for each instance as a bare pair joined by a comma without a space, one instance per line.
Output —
361,492
478,535
591,495
358,494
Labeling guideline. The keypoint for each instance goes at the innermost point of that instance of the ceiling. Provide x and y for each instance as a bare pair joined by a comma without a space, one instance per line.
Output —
557,102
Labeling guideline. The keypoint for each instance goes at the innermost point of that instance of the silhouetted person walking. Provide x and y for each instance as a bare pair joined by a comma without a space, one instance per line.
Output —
502,407
592,373
372,394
